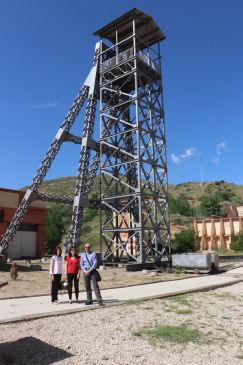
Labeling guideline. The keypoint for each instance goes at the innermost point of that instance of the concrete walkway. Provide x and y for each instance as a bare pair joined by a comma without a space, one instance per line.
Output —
13,310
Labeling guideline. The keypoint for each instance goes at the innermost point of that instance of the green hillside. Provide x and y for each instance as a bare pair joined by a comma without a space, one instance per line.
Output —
193,191
187,201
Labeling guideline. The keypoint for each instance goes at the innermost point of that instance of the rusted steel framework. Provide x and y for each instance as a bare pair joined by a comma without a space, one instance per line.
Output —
131,153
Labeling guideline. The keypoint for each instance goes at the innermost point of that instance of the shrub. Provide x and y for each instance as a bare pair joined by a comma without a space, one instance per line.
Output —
237,242
89,214
183,242
57,220
180,205
86,229
210,204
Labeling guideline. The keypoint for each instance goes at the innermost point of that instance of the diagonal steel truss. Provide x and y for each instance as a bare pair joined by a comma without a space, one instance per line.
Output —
85,175
130,155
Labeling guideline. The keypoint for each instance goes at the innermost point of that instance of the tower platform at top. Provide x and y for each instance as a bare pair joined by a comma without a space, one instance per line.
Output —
133,43
146,29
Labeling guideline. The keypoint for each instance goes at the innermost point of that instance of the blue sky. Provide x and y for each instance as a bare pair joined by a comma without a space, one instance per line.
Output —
46,53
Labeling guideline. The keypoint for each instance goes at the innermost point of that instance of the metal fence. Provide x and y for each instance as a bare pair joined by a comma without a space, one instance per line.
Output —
125,56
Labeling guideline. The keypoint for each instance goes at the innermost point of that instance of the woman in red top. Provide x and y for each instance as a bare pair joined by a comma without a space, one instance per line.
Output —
73,272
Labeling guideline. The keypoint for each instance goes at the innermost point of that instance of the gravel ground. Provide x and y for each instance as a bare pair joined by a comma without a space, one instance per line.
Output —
106,336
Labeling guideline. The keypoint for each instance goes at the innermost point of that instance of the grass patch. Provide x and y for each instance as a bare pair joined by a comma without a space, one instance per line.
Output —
181,299
172,307
134,301
184,311
176,270
225,252
178,334
227,267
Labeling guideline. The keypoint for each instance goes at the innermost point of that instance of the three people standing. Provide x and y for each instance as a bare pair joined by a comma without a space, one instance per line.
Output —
88,264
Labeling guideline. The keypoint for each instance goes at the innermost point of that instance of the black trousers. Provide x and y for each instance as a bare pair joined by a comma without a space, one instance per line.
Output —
73,278
87,282
55,284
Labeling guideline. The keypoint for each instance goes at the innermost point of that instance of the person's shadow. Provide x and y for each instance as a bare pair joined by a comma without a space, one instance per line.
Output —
29,351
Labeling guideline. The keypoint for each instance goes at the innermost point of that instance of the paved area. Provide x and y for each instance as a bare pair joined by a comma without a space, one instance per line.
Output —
40,306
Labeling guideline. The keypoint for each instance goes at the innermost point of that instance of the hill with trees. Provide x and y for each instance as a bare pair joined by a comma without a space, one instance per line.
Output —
187,201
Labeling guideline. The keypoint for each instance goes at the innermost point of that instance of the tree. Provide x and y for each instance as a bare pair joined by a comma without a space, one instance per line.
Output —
180,205
210,205
183,241
237,242
57,220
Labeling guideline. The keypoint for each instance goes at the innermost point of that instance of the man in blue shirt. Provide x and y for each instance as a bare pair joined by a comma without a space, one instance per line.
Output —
88,265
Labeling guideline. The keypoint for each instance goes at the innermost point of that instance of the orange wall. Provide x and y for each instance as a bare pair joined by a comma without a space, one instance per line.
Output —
33,216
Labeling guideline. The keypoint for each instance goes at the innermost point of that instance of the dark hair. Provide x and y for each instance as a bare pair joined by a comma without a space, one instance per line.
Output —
57,248
70,249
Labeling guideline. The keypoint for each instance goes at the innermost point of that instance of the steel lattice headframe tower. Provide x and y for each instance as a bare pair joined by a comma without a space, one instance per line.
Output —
126,80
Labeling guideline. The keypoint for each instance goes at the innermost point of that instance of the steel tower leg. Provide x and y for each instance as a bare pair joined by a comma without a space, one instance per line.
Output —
83,182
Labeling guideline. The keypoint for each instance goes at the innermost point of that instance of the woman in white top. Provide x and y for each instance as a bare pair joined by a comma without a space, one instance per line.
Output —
56,273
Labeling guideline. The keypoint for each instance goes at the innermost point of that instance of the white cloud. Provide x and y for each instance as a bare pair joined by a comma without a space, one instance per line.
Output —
221,147
47,105
189,152
175,158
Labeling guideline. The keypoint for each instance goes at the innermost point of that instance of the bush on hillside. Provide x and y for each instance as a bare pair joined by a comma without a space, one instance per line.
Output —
89,214
183,242
180,205
237,242
57,220
210,205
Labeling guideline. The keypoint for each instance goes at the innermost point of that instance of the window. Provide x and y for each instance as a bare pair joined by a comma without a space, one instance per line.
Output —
28,227
1,215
